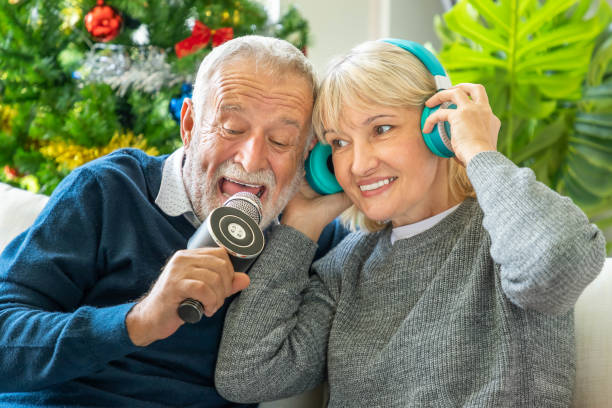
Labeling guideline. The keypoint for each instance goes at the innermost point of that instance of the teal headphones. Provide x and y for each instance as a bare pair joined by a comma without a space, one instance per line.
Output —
319,167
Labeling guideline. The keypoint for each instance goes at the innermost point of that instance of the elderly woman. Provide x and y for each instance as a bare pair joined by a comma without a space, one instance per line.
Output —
459,285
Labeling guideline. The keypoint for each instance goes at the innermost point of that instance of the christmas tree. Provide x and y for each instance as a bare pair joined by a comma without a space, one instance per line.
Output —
81,78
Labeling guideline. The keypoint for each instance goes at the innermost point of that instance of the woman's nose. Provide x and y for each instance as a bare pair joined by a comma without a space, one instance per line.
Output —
364,159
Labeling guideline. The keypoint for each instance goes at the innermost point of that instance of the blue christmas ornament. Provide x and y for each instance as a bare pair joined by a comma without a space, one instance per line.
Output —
177,103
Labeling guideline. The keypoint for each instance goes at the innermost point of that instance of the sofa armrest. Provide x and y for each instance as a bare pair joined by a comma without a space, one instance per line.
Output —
593,316
18,210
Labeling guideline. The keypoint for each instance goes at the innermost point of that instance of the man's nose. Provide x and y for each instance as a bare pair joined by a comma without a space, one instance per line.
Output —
252,153
365,159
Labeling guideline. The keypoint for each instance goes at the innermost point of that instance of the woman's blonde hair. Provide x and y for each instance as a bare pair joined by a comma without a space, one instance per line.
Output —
378,73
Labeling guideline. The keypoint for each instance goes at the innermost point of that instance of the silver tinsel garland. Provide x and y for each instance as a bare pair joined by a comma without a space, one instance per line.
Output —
142,68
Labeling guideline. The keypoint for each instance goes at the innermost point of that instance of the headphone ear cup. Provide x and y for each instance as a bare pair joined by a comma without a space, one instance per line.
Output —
438,140
320,170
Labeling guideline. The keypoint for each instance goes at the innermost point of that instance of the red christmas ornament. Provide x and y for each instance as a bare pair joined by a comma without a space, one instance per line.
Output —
199,38
103,22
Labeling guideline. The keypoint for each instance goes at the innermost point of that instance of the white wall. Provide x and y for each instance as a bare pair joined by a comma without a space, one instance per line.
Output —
413,20
338,25
335,26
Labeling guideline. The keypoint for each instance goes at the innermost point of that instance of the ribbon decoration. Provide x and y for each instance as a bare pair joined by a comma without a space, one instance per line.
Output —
199,38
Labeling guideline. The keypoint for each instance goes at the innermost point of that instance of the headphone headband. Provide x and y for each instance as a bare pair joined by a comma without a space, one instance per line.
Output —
426,57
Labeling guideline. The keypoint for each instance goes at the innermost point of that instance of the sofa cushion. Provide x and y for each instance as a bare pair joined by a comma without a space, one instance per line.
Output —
593,315
18,210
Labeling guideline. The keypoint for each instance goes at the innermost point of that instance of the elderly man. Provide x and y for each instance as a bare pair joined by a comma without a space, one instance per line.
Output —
86,316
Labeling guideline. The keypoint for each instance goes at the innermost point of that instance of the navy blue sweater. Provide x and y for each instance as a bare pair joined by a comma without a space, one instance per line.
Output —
67,283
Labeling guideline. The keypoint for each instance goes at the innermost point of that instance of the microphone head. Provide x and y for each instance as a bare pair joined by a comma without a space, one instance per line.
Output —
246,202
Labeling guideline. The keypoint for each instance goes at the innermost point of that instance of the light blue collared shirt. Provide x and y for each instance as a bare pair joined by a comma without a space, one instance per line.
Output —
172,197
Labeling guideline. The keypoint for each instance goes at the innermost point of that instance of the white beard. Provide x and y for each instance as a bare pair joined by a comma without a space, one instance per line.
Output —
204,196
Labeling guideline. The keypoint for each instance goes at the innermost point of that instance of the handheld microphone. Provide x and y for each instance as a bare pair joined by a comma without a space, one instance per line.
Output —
234,227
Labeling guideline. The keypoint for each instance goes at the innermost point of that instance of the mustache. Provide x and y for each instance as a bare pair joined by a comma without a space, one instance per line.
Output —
229,169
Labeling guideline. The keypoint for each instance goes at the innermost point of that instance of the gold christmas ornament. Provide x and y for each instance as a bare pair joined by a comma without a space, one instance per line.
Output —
70,156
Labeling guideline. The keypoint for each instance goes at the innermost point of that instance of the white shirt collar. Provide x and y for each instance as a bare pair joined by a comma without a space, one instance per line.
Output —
172,198
410,230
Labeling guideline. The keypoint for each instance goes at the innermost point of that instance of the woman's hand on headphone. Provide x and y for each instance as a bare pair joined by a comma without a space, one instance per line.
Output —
309,212
474,127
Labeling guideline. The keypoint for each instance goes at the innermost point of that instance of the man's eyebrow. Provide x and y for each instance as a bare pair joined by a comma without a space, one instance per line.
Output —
238,108
230,108
373,118
291,122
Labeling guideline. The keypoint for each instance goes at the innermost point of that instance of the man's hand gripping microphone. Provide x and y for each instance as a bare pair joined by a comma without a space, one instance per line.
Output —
234,227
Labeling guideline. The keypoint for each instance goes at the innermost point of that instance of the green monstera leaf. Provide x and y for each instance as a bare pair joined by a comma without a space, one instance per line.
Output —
552,93
528,53
587,172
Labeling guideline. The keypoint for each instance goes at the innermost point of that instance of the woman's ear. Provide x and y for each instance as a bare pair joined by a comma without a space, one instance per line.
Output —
187,121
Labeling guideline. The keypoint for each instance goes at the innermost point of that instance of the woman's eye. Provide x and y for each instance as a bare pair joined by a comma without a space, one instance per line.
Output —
339,143
382,129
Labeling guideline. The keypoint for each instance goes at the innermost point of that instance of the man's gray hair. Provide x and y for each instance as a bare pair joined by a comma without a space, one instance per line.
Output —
275,56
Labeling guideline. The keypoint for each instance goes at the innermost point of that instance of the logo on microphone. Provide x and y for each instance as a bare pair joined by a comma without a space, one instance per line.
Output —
233,226
236,231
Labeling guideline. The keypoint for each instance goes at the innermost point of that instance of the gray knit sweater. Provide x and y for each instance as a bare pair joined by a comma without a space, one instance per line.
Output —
476,311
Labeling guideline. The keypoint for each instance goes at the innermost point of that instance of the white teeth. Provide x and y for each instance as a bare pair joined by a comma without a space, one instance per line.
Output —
249,185
378,184
258,186
245,184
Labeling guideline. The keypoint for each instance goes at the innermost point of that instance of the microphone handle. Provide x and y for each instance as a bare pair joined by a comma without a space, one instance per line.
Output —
191,310
235,231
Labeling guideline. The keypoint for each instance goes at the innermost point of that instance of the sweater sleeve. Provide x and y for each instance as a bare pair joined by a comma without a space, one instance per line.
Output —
274,340
46,335
547,249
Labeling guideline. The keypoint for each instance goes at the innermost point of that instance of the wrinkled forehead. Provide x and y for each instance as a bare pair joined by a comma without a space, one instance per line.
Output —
290,93
253,66
231,88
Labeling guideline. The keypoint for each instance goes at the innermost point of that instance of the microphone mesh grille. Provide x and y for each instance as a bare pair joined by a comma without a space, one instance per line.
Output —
246,202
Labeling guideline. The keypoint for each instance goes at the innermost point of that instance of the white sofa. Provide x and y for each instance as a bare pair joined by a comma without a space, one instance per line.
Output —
18,209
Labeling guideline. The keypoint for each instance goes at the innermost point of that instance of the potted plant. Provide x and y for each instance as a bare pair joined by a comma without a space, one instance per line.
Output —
547,68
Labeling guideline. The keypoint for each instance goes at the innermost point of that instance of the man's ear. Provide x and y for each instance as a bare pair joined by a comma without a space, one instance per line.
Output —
187,121
313,142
